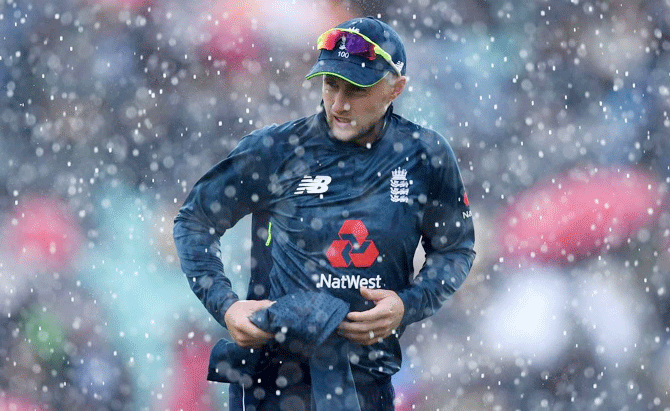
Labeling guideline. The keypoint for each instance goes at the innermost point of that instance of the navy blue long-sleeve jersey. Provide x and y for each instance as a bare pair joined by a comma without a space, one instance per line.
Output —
340,216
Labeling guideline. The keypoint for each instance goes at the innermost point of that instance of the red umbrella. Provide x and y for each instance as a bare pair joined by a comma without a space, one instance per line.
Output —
232,32
11,403
581,213
192,391
42,234
131,5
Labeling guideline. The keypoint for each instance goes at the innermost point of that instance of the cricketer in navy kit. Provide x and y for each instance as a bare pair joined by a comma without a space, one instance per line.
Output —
340,201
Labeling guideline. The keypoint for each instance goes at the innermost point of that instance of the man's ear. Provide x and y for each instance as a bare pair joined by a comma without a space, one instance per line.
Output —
398,87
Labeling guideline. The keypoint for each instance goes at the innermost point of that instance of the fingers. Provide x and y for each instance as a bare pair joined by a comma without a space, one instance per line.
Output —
246,334
389,306
365,332
366,337
262,304
241,329
374,294
373,314
373,325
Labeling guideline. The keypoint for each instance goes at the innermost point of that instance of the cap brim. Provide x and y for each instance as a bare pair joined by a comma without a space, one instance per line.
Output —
349,71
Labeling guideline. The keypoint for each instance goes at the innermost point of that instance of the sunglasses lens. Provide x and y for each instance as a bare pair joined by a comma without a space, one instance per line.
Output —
356,44
353,43
331,39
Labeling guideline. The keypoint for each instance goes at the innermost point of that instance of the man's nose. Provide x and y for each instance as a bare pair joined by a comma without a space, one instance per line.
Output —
340,102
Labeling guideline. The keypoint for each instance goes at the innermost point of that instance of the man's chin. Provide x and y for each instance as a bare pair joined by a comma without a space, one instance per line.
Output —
342,135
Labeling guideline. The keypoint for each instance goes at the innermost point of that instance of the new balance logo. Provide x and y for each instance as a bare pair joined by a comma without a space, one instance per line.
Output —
316,185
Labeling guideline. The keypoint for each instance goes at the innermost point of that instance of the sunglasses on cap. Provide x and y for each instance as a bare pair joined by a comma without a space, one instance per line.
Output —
354,43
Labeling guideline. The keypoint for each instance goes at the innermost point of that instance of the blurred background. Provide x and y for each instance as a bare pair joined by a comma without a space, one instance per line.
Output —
110,110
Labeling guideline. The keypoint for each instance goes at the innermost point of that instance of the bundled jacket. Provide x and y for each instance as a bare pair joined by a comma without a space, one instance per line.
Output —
333,217
303,321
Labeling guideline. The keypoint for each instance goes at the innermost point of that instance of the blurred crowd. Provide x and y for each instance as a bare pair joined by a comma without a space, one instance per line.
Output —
557,111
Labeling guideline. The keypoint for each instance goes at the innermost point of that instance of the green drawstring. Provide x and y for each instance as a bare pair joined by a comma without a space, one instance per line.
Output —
267,242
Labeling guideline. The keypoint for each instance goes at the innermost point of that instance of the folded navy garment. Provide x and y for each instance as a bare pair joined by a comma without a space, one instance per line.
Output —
309,317
304,321
230,363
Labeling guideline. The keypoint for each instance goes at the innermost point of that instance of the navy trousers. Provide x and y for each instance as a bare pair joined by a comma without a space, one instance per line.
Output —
286,386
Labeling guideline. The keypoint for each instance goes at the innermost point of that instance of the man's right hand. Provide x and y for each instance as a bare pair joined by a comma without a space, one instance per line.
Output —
241,329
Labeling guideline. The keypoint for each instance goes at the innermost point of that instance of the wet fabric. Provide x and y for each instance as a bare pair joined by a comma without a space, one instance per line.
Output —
303,322
339,216
286,386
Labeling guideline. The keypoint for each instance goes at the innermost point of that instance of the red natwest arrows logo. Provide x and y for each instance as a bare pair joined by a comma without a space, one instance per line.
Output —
352,247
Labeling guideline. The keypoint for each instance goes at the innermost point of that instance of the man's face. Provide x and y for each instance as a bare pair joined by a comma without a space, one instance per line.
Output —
354,113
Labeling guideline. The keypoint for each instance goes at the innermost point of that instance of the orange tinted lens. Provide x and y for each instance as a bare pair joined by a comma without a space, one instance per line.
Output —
330,40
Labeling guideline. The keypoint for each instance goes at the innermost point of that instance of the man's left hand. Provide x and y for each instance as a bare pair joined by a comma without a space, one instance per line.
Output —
373,325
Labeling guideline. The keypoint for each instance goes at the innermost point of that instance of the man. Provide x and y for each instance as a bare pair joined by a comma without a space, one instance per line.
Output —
342,199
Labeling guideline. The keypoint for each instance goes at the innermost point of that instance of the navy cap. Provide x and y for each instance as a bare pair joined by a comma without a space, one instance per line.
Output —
359,70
